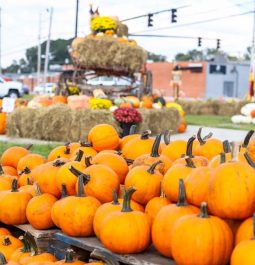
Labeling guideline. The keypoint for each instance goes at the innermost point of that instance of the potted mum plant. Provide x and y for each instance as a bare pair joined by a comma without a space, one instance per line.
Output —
127,117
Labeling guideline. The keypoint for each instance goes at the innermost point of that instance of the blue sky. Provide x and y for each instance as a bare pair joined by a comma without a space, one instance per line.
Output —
20,23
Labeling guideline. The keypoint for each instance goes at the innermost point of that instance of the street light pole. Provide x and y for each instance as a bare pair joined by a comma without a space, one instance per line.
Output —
39,50
76,18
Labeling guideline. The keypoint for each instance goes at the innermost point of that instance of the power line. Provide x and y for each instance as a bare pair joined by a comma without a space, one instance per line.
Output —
198,22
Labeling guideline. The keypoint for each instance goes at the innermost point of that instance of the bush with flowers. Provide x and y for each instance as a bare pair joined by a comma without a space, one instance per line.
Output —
127,115
101,24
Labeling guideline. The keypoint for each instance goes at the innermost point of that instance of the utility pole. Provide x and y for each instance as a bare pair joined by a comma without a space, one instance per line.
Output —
47,53
0,40
252,63
39,50
76,18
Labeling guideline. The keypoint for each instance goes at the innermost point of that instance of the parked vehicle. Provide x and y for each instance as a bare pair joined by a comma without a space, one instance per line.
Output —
25,89
11,89
45,89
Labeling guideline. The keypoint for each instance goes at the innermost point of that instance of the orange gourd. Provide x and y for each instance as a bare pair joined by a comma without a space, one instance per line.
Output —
130,224
206,233
38,210
30,161
8,244
103,136
175,149
59,99
3,122
69,259
63,151
165,220
134,100
76,217
245,230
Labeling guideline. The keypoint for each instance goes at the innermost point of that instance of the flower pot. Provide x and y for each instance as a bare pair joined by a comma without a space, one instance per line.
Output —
125,128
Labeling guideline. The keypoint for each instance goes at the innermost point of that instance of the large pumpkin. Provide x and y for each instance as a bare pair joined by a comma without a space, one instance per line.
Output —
202,239
77,214
130,224
13,205
166,218
103,136
38,210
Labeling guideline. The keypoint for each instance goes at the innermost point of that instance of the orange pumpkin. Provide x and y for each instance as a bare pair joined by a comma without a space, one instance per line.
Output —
63,151
4,231
13,205
99,180
38,210
4,184
12,155
165,220
8,170
22,251
59,99
130,223
78,213
127,138
245,230
69,259
211,235
86,149
8,244
175,149
117,163
126,105
170,181
25,177
147,102
182,126
29,187
134,100
30,161
147,182
3,121
103,136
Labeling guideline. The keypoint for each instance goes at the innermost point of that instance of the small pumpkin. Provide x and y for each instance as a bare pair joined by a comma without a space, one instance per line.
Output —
21,252
147,182
29,187
30,161
59,99
86,149
175,149
245,230
130,224
211,235
69,259
4,231
38,210
103,136
8,244
24,177
134,100
3,122
63,151
76,218
132,134
164,221
8,170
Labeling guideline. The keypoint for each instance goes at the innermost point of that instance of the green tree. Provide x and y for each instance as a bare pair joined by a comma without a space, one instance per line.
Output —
156,57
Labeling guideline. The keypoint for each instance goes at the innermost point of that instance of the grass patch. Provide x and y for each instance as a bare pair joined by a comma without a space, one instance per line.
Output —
42,149
217,122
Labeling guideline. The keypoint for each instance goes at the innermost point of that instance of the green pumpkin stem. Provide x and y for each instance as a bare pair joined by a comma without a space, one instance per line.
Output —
37,190
189,149
69,256
155,147
152,168
222,158
145,135
32,244
85,144
201,140
15,186
132,129
29,146
88,161
63,191
6,241
127,199
79,155
247,138
115,197
249,160
226,147
1,170
182,194
189,162
203,210
2,259
167,136
67,150
58,163
104,256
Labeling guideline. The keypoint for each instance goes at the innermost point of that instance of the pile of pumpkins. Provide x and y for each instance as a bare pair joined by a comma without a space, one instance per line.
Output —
24,251
193,200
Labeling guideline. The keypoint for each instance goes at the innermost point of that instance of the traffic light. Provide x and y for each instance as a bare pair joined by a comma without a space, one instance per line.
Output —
174,15
150,20
218,44
199,43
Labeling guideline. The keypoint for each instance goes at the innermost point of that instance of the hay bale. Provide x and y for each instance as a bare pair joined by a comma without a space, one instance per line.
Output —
107,53
122,29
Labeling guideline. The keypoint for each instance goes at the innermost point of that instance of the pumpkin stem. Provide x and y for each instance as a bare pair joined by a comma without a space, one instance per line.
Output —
26,247
32,244
82,179
115,197
145,135
182,194
167,136
201,140
58,163
234,151
85,144
29,146
104,256
2,259
37,190
15,186
132,129
189,148
153,167
249,160
127,199
162,193
79,156
88,161
118,152
203,210
63,191
6,241
247,138
1,170
226,146
155,147
69,256
222,158
189,162
129,161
